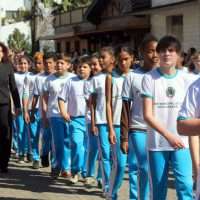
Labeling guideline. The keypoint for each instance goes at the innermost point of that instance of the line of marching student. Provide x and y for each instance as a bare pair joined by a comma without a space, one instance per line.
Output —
108,111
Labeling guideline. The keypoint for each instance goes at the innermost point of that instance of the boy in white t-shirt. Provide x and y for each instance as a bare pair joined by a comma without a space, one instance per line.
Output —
73,95
163,91
59,128
189,118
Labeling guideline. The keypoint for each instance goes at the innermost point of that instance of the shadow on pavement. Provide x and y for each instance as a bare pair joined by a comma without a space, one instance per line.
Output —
23,179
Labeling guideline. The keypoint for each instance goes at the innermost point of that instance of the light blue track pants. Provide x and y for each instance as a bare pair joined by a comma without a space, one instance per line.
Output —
78,134
119,161
61,158
138,166
92,154
22,135
46,141
181,164
14,136
34,133
105,155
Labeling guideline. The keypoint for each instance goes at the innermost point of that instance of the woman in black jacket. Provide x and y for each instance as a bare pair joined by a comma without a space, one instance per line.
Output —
7,89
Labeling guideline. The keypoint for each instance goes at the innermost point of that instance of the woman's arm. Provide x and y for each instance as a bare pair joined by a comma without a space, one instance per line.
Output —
13,89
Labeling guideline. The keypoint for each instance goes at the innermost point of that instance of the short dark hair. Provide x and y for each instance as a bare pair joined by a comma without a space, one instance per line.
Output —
50,55
85,59
5,52
108,49
147,39
127,49
63,56
169,41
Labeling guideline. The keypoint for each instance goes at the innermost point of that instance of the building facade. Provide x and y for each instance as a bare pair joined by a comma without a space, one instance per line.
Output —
111,22
178,17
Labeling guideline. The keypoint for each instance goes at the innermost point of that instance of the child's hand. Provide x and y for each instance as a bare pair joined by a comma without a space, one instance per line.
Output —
175,141
124,147
94,130
112,137
26,117
66,117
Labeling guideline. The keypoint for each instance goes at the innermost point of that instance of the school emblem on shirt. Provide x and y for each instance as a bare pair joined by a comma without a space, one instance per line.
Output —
170,92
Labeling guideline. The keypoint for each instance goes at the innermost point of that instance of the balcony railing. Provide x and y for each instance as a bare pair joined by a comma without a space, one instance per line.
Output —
70,17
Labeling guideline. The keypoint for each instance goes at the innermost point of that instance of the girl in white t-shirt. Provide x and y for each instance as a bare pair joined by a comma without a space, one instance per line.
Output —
194,140
107,60
164,89
189,118
20,123
114,84
133,127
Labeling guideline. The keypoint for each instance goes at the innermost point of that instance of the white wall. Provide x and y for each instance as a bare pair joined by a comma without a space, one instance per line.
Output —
191,23
13,5
156,3
5,31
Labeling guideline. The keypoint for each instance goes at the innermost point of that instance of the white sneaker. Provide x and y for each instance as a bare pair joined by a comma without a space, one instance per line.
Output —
74,179
90,182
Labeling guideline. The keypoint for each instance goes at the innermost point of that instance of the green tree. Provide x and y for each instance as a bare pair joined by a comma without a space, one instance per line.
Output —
18,41
66,4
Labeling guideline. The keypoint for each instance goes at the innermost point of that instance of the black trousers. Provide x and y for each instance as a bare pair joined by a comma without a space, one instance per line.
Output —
5,135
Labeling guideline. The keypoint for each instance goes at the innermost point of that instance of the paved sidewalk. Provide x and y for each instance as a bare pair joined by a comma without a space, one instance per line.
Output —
24,183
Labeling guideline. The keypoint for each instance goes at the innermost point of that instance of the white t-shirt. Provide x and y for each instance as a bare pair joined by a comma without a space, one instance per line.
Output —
132,89
167,93
39,83
87,93
53,85
117,84
98,88
73,94
191,109
19,79
28,87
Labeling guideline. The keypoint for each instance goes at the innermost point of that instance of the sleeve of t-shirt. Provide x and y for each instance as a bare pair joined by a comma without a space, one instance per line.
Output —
26,90
190,107
87,89
46,86
64,93
35,88
127,90
147,86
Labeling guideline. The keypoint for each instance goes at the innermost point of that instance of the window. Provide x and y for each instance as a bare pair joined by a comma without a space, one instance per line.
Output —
58,47
175,26
67,47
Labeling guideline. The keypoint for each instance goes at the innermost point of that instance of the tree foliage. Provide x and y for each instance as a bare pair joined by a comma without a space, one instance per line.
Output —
18,41
66,4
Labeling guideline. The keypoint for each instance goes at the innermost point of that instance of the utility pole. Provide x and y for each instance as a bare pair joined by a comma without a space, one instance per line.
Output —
35,43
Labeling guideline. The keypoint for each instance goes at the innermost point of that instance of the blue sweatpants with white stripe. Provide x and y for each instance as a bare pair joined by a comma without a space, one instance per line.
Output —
34,134
61,158
46,141
105,155
181,164
138,165
78,134
119,161
92,154
21,131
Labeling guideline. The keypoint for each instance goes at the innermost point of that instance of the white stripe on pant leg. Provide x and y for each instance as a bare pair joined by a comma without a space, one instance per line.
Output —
198,187
150,178
114,168
101,163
